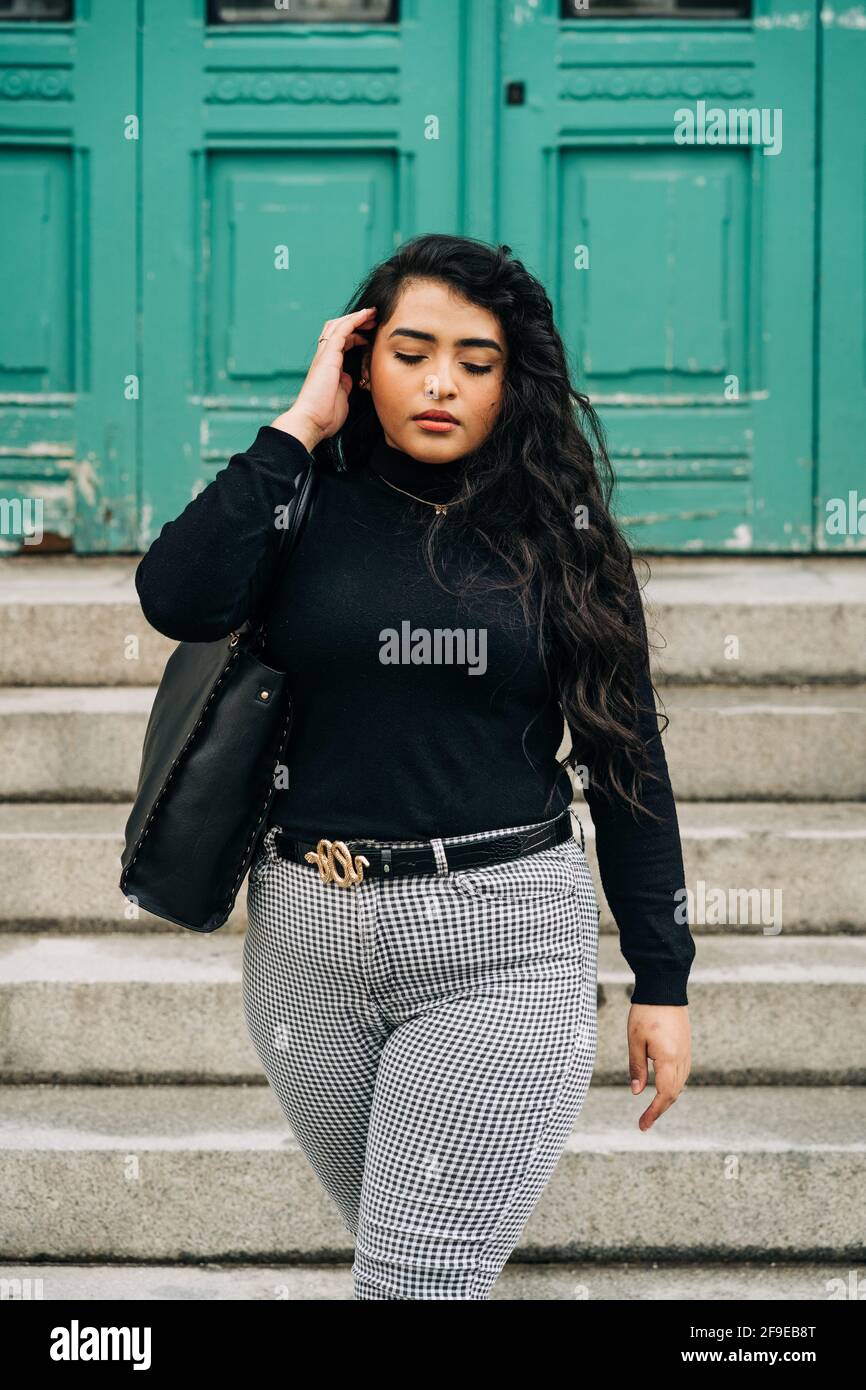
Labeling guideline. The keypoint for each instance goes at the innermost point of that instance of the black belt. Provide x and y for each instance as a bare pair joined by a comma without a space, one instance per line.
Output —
346,862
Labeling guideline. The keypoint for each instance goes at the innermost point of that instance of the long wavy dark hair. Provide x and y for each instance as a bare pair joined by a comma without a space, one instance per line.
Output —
537,493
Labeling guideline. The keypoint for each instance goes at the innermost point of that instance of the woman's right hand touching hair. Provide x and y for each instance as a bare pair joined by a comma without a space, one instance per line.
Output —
322,403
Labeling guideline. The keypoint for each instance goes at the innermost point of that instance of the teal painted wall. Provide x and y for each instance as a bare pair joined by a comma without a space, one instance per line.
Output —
184,203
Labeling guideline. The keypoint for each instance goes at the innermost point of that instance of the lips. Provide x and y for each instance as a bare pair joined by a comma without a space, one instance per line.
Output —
436,415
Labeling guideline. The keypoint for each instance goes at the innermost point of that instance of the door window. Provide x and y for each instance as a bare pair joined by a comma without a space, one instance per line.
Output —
656,9
302,12
35,9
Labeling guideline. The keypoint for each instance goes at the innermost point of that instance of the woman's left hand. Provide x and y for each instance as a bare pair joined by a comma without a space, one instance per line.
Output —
661,1033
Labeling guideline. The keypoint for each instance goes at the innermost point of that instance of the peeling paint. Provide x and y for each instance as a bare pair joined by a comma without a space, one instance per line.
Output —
855,18
783,21
39,448
86,478
742,537
693,398
47,398
681,514
520,13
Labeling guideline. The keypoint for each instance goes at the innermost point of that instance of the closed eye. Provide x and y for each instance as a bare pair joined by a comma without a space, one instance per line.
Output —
472,367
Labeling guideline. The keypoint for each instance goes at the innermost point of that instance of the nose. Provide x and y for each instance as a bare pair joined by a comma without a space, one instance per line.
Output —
439,385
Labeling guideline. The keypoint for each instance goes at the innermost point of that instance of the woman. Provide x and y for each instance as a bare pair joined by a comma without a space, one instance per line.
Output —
419,968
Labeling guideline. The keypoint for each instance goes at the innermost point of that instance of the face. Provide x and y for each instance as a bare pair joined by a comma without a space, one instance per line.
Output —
437,352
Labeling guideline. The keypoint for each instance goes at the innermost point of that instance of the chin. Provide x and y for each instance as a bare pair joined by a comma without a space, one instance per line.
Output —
437,448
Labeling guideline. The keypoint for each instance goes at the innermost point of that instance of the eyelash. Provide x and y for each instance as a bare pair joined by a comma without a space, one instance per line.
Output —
472,367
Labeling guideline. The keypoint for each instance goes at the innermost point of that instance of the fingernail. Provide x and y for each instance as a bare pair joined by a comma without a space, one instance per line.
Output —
635,1085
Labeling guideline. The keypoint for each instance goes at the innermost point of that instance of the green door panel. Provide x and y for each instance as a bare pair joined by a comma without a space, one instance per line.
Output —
68,346
681,274
264,322
841,355
280,162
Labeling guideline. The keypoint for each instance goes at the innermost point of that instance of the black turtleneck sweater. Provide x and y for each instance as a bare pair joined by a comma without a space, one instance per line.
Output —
397,733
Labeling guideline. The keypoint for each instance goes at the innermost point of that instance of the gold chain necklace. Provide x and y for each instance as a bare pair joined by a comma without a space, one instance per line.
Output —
441,508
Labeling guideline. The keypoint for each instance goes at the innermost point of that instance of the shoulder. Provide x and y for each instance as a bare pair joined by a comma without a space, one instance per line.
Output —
323,490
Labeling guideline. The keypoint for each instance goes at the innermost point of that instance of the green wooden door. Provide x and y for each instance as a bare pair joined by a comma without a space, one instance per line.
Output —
280,160
69,364
191,186
840,521
681,272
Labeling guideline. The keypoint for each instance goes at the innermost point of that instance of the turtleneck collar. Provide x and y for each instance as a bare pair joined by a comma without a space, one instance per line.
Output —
435,481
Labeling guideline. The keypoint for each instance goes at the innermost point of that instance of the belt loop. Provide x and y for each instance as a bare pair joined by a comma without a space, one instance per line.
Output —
441,857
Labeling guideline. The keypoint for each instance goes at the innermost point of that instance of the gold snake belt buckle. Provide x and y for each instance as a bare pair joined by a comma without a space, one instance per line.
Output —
327,852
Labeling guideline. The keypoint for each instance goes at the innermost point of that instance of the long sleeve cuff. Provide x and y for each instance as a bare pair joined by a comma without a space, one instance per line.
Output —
277,445
657,987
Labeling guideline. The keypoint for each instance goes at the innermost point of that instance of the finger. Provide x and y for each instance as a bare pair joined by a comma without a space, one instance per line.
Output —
340,339
661,1101
666,1094
651,1114
345,327
325,335
347,321
334,358
637,1062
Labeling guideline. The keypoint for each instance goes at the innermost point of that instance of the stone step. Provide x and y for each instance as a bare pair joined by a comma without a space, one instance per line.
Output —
804,743
117,1009
211,1172
76,620
799,743
72,743
59,864
795,619
521,1279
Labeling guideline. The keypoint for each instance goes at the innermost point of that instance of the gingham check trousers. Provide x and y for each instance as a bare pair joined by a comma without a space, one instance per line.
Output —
431,1040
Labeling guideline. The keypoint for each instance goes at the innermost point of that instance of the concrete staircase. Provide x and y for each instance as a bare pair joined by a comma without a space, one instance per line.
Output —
137,1126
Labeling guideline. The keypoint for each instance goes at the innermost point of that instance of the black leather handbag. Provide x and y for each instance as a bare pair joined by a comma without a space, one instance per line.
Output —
217,730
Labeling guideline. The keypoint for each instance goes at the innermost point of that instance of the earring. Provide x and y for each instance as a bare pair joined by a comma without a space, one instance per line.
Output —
362,381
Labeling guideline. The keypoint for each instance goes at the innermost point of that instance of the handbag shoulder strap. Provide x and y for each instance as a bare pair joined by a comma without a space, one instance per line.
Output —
298,509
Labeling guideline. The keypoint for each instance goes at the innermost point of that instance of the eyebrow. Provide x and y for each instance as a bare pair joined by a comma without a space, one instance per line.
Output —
431,338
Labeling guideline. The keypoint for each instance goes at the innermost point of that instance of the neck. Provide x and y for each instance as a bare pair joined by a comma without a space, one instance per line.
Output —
432,481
